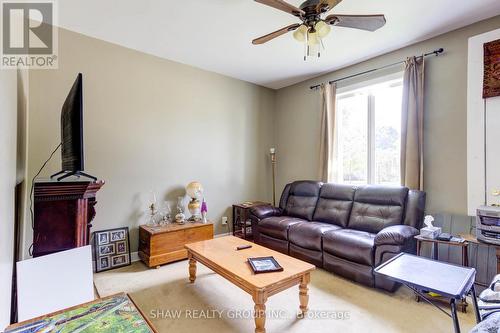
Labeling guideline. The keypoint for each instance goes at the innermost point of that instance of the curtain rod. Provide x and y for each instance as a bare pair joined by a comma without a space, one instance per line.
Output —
435,52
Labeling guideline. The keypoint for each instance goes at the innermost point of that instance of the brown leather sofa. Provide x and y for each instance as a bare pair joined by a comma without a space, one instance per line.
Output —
344,229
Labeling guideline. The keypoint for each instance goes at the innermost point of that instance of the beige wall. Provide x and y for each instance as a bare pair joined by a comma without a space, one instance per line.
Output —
8,136
297,118
153,124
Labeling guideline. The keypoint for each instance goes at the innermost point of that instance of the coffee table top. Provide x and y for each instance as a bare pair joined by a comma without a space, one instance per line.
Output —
221,252
425,274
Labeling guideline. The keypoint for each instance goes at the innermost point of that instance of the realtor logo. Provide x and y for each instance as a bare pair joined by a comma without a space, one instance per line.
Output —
29,39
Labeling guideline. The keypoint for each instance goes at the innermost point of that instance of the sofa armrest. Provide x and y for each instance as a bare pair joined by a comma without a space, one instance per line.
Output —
261,212
395,235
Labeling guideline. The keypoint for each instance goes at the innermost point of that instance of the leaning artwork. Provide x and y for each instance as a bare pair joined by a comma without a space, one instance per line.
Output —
109,315
491,85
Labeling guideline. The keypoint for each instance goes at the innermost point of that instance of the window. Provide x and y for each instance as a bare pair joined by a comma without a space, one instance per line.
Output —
369,133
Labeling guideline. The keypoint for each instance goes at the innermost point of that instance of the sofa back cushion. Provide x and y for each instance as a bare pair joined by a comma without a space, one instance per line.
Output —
415,209
377,207
284,196
302,199
334,204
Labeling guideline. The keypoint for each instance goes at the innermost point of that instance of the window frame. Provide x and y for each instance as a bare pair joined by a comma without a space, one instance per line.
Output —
346,92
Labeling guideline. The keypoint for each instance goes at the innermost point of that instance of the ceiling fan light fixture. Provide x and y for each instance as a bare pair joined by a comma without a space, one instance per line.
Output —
301,33
313,38
322,29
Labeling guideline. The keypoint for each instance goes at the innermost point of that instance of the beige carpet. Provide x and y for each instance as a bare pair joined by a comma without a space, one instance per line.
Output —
159,293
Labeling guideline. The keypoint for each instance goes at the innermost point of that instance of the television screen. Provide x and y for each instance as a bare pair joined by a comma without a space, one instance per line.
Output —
72,129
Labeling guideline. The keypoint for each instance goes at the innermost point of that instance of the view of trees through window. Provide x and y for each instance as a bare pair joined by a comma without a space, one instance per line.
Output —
369,134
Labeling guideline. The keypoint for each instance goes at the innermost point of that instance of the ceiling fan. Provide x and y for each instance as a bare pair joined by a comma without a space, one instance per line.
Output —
313,27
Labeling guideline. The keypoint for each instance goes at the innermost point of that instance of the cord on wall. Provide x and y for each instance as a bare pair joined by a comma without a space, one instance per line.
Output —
485,156
31,193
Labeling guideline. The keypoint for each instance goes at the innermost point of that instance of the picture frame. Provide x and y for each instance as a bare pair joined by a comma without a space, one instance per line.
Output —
264,265
111,249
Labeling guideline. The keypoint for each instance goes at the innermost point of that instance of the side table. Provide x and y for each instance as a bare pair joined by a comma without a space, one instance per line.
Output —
462,304
471,239
241,218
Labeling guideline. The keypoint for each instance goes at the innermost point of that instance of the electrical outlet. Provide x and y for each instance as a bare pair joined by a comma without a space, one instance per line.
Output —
224,220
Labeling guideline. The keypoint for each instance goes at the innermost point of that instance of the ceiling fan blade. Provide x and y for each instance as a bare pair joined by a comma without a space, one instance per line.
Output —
363,22
284,6
328,4
273,35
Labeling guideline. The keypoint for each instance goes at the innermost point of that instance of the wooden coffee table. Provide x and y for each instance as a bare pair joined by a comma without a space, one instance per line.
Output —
221,256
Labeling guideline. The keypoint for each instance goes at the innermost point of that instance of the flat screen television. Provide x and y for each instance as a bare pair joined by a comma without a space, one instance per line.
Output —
72,154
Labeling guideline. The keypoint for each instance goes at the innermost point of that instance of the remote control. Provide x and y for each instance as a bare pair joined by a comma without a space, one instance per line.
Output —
243,247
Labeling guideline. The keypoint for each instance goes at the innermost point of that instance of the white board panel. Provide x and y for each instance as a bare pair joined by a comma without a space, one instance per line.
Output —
477,189
492,150
54,282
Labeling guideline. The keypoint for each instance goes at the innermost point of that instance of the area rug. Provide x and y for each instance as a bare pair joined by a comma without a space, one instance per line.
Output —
212,304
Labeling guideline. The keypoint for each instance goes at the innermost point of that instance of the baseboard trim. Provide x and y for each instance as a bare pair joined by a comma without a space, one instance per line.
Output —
134,256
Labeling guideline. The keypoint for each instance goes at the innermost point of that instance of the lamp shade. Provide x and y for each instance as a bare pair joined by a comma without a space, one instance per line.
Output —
312,38
300,33
322,29
194,190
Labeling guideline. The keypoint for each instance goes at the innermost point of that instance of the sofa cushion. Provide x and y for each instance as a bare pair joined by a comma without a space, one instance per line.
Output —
284,196
309,234
302,199
334,204
353,245
377,207
277,226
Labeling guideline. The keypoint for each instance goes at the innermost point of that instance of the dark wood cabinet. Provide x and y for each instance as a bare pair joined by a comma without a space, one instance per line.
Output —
63,212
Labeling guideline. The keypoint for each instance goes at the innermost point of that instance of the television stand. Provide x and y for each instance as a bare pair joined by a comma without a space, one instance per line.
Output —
66,174
63,214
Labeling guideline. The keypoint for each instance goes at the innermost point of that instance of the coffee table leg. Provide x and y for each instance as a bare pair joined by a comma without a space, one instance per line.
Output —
192,269
260,299
454,316
303,296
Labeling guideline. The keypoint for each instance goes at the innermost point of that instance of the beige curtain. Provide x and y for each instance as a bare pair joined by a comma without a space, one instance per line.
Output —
327,146
412,124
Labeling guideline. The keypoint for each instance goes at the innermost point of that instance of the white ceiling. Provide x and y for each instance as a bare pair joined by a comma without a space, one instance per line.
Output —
216,34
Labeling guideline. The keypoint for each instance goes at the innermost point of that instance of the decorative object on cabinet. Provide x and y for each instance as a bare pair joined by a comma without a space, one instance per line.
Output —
63,212
195,191
166,213
180,217
241,218
204,211
152,217
112,249
491,85
164,244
